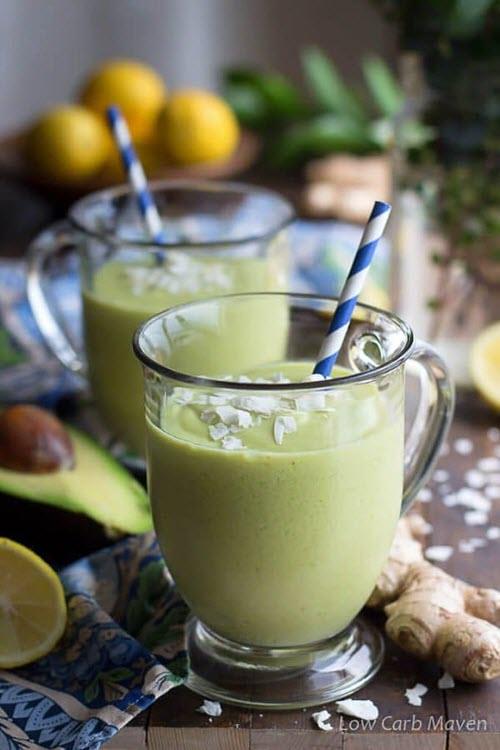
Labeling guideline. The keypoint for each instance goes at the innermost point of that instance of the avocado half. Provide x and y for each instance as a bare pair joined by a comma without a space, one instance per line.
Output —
97,486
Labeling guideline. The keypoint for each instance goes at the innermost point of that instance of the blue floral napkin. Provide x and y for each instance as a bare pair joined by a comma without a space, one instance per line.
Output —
123,648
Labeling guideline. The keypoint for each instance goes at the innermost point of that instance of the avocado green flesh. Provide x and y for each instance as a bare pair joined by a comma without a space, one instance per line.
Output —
97,486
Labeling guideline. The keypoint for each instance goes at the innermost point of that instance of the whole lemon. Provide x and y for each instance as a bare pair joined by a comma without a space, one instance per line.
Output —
196,126
135,87
68,144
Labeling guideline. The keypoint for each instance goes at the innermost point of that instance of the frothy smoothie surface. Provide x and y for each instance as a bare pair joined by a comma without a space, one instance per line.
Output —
276,510
125,294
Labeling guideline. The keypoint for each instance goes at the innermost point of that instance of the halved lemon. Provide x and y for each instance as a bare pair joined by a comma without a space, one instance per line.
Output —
32,606
485,364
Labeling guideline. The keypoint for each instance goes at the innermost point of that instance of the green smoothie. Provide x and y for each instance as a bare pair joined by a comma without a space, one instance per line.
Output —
123,295
275,513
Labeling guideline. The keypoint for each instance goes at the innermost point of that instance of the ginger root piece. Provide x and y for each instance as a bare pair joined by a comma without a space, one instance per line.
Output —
432,615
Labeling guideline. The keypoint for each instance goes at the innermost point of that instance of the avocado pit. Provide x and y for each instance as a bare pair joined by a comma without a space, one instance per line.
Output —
34,441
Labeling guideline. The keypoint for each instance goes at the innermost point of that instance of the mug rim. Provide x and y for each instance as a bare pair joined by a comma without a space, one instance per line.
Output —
194,185
197,380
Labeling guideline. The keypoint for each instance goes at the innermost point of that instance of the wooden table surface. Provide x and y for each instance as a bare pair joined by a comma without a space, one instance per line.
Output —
464,718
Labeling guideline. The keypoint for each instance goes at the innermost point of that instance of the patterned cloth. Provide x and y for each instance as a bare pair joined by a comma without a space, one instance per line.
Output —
124,644
123,648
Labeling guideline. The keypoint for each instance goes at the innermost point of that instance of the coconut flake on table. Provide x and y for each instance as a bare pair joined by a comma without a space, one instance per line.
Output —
463,446
425,495
446,681
492,492
359,709
493,532
231,443
439,552
470,498
444,489
490,463
322,720
441,475
414,694
493,434
475,518
210,708
470,545
283,426
475,478
493,478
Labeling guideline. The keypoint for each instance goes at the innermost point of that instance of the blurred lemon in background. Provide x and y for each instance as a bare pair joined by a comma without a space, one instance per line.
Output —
68,144
135,87
32,606
197,126
485,364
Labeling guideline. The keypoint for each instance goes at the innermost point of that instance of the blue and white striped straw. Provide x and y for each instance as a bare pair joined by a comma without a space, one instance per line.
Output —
353,285
135,173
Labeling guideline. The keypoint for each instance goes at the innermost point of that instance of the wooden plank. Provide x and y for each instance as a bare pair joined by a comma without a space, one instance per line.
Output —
129,738
178,709
393,741
467,702
298,739
191,738
474,741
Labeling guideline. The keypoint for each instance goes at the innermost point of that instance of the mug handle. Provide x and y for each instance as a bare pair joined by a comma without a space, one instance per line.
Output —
56,240
432,419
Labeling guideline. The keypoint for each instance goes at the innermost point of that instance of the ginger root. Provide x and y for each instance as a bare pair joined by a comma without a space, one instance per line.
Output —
432,615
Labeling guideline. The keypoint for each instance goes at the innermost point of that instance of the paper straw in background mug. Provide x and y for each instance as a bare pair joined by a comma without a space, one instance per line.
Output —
136,176
339,324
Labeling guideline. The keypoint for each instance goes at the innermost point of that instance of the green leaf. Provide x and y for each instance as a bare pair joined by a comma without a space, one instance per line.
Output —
321,135
119,674
329,91
467,16
262,99
383,86
91,691
248,104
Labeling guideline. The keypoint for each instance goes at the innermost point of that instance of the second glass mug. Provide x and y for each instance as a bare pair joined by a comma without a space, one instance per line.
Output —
275,497
219,238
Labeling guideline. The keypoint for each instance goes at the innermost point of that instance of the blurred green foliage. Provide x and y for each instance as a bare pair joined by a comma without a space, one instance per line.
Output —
328,116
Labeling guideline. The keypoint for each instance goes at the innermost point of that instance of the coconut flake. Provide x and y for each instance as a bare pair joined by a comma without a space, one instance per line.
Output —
425,527
492,492
425,495
475,478
490,463
210,708
264,405
310,402
283,426
470,545
414,694
475,517
322,720
182,396
360,709
464,446
472,499
494,478
446,681
218,431
493,434
217,399
493,532
439,553
231,443
441,475
313,377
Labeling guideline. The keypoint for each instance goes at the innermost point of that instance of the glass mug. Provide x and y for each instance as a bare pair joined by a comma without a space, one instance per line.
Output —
220,238
275,496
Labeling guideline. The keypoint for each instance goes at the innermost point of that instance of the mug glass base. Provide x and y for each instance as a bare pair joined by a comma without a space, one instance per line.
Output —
282,678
